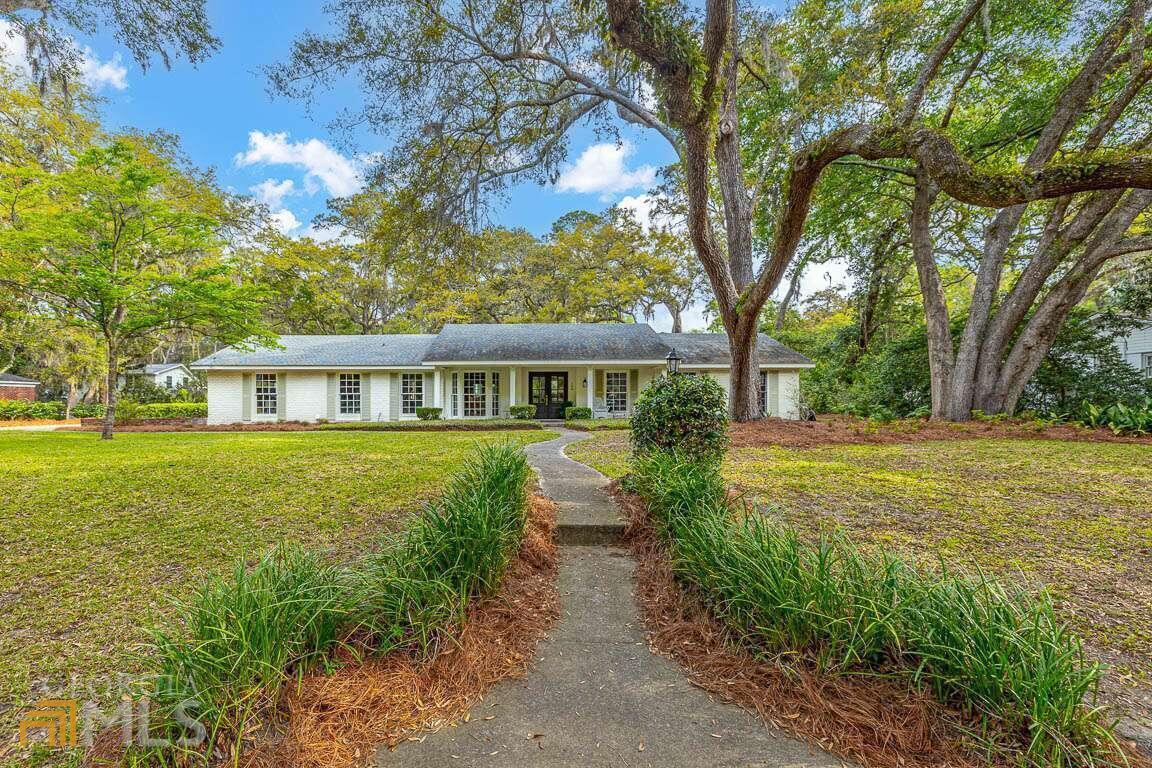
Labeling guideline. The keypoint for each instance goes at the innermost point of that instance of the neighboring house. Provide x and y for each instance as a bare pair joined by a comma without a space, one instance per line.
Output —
167,375
1136,347
17,387
474,371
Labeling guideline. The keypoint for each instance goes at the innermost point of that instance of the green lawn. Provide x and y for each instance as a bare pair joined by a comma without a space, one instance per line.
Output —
1076,516
99,537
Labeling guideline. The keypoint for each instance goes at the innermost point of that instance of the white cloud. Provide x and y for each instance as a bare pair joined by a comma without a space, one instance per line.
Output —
97,74
327,234
272,192
320,163
12,48
103,74
284,221
601,169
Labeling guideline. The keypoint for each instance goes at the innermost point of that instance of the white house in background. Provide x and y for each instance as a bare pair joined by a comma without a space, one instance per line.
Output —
168,375
1136,347
475,371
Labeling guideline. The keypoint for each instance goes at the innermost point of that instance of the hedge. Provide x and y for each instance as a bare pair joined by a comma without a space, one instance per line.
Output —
130,410
24,410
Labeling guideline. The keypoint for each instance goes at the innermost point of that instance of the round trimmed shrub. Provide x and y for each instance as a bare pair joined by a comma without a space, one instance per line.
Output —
428,413
686,414
522,411
577,412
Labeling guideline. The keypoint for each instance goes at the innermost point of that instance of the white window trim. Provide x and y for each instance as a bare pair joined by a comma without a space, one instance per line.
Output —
607,394
349,416
277,394
417,377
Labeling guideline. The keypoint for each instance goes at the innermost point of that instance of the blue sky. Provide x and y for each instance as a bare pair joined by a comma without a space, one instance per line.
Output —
283,151
217,108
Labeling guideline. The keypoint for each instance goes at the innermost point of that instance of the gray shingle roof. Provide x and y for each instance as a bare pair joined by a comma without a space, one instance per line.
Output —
712,349
504,343
547,341
9,378
402,349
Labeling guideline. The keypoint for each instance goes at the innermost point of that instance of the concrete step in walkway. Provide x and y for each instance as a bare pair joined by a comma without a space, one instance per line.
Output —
586,514
596,695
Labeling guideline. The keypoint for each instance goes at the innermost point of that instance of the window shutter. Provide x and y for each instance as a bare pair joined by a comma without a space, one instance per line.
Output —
333,394
773,406
365,397
246,397
393,396
426,394
633,386
599,383
281,396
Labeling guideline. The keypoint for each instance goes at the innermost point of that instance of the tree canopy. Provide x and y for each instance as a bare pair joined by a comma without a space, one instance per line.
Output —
483,95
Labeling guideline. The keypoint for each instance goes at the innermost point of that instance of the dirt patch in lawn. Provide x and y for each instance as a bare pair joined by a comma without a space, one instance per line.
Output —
844,430
875,722
339,720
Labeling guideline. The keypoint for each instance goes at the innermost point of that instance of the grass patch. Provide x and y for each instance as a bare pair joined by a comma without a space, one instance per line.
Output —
999,653
100,536
598,425
240,638
1073,516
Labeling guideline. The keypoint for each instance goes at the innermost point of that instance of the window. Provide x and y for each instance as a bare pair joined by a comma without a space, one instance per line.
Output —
474,393
168,382
495,393
349,394
1146,364
411,392
762,393
616,391
265,394
455,394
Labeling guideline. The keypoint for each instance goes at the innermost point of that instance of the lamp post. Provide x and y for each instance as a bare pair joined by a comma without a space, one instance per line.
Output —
673,359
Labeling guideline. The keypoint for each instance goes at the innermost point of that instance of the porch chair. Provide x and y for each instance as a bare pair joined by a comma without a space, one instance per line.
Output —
600,408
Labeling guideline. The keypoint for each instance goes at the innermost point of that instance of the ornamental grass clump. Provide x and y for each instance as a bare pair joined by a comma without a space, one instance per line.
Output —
999,654
241,637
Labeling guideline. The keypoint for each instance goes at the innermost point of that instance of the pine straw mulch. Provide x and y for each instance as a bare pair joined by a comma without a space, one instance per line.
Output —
849,430
875,722
339,720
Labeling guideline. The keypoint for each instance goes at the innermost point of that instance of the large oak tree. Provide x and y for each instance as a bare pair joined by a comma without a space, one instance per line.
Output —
480,95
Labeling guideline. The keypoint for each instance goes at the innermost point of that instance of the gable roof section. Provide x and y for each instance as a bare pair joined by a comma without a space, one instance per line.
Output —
14,380
400,349
712,349
546,342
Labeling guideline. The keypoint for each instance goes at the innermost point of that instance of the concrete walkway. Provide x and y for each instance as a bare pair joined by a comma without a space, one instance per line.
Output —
596,695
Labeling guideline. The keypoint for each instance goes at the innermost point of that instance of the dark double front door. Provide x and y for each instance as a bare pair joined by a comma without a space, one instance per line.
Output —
548,392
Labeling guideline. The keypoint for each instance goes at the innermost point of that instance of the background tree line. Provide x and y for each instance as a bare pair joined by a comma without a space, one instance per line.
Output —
988,162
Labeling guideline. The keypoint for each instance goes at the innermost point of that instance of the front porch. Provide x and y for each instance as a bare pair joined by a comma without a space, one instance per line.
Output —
474,392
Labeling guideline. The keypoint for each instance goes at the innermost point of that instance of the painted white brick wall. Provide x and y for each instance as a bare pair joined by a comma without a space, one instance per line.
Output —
306,396
225,395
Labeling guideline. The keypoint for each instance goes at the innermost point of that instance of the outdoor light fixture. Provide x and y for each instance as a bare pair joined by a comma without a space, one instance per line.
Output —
673,362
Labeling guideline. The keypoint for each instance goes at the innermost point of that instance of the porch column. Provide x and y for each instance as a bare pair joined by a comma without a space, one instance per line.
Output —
590,386
512,387
436,388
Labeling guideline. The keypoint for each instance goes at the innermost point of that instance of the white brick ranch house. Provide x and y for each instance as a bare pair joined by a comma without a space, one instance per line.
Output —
474,371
